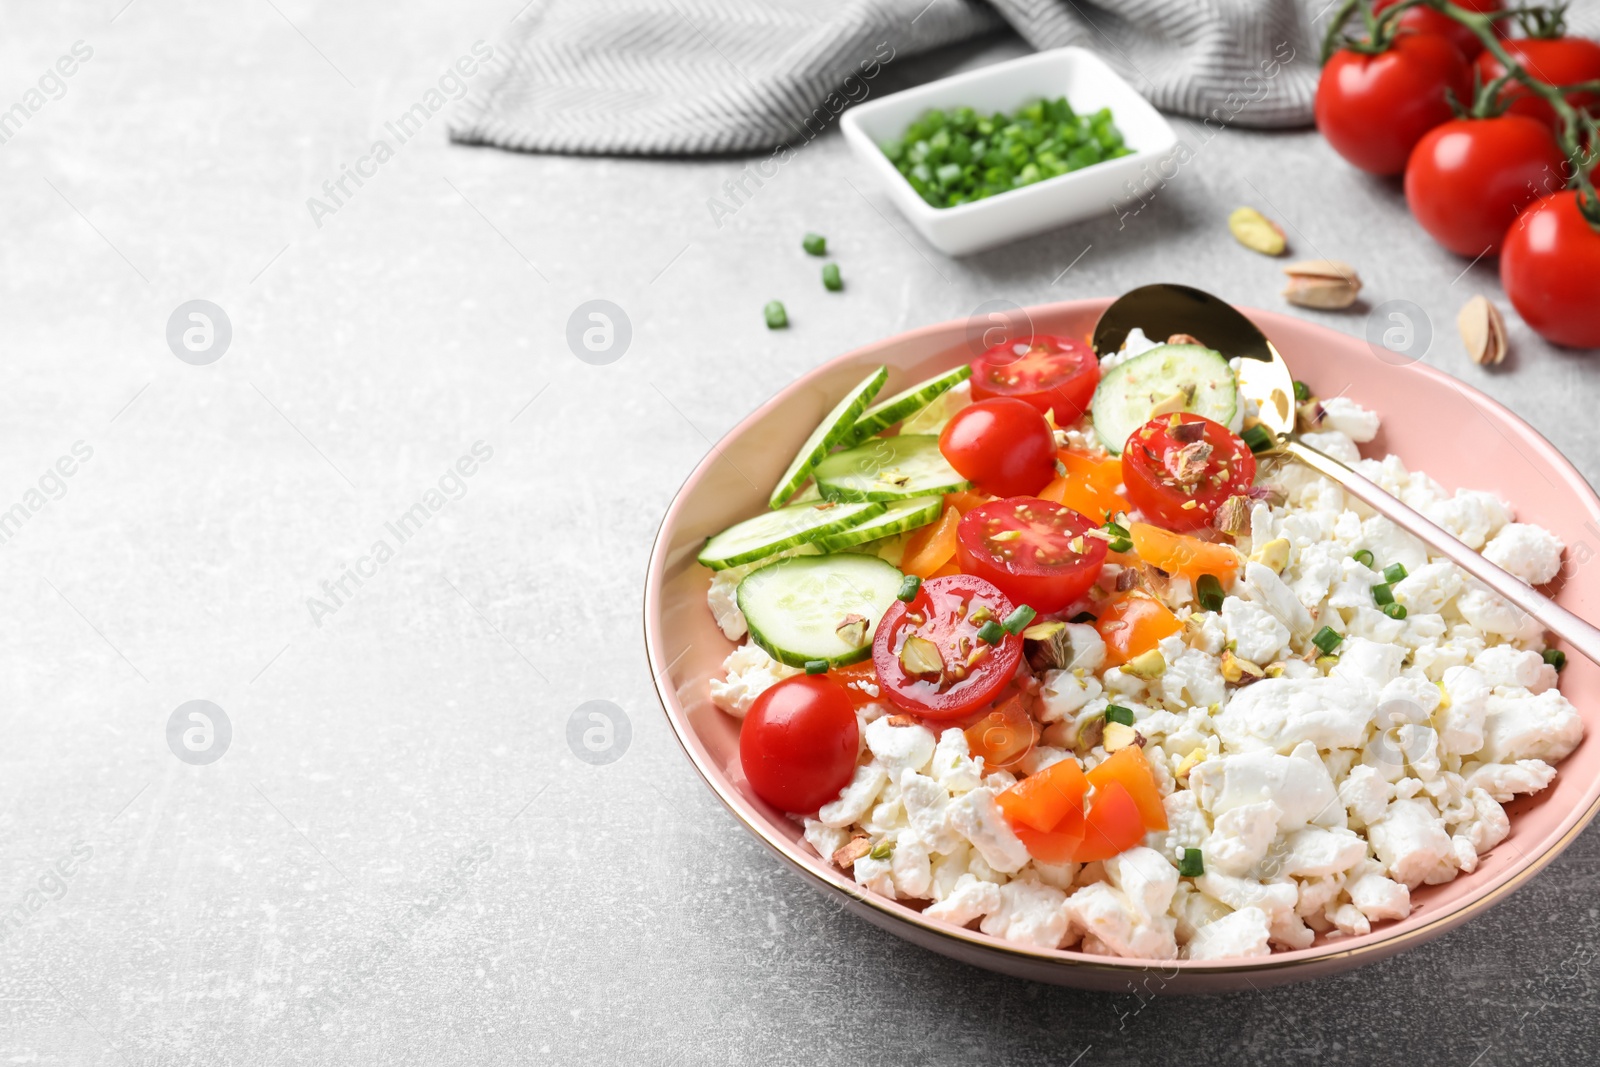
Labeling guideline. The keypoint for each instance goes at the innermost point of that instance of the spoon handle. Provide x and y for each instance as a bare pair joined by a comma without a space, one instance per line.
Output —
1552,616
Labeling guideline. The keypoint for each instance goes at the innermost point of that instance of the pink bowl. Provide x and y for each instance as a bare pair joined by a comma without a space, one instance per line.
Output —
1434,423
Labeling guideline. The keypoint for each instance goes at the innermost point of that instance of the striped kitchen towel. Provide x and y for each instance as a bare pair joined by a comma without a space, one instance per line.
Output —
703,76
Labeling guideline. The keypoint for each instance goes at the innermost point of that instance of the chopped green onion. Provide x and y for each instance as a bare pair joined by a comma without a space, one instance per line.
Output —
1555,657
882,850
1119,541
777,317
1259,438
908,588
1363,557
816,666
1084,617
1395,611
1018,620
1383,594
1327,639
1193,864
991,633
1209,592
815,243
830,277
1302,391
1394,572
1118,713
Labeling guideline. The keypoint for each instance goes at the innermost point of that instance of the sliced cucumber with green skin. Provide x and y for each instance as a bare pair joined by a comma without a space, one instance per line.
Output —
797,607
889,468
835,429
881,416
902,515
774,531
1129,393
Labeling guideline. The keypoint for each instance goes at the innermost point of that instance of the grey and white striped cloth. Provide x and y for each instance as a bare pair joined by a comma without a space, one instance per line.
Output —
706,76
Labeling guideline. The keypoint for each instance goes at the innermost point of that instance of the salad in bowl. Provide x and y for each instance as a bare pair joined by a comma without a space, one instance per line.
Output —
1043,646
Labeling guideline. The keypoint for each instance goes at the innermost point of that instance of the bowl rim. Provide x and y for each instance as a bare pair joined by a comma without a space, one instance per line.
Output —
862,141
1312,958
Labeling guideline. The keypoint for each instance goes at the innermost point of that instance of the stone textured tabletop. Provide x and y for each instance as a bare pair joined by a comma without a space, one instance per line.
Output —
398,858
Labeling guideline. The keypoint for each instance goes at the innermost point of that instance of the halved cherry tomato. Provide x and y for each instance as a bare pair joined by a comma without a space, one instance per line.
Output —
1178,469
1181,554
1090,484
932,546
1003,736
1035,551
1111,825
1052,373
1042,800
1060,844
972,673
1128,768
1004,445
798,744
1133,626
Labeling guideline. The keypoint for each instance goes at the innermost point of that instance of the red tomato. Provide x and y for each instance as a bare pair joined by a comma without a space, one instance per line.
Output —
1052,373
1036,551
1548,267
1553,60
798,744
942,613
1112,824
1468,178
1003,444
1179,477
1427,20
1374,109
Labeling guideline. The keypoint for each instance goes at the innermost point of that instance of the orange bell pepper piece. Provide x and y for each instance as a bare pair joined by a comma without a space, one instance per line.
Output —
1089,486
850,677
1128,768
1003,736
932,546
1059,845
967,499
1133,626
1111,825
1040,801
1181,554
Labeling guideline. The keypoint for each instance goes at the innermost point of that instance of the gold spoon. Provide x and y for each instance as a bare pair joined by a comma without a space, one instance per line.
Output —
1264,377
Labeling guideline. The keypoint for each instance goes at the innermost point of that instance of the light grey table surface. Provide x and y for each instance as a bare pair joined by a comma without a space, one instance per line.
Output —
399,859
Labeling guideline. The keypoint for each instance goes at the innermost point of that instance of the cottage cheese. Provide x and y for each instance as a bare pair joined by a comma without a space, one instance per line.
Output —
1319,797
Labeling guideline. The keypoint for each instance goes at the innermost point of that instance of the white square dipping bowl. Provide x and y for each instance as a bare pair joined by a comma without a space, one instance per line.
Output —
1075,73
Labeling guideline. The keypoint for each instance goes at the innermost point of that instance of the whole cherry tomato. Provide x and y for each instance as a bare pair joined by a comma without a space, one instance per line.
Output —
1427,20
1373,109
1178,469
951,670
1554,60
798,743
1052,373
1004,445
1549,267
1035,551
1468,178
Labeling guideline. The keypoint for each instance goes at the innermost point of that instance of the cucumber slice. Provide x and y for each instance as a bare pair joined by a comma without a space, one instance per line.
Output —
1130,391
774,531
795,607
835,429
889,468
881,416
902,515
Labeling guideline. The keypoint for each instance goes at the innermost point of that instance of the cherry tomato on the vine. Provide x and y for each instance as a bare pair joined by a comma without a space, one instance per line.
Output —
1554,60
1178,469
1427,20
1052,373
799,742
1003,444
1468,178
1373,109
1549,267
1035,551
